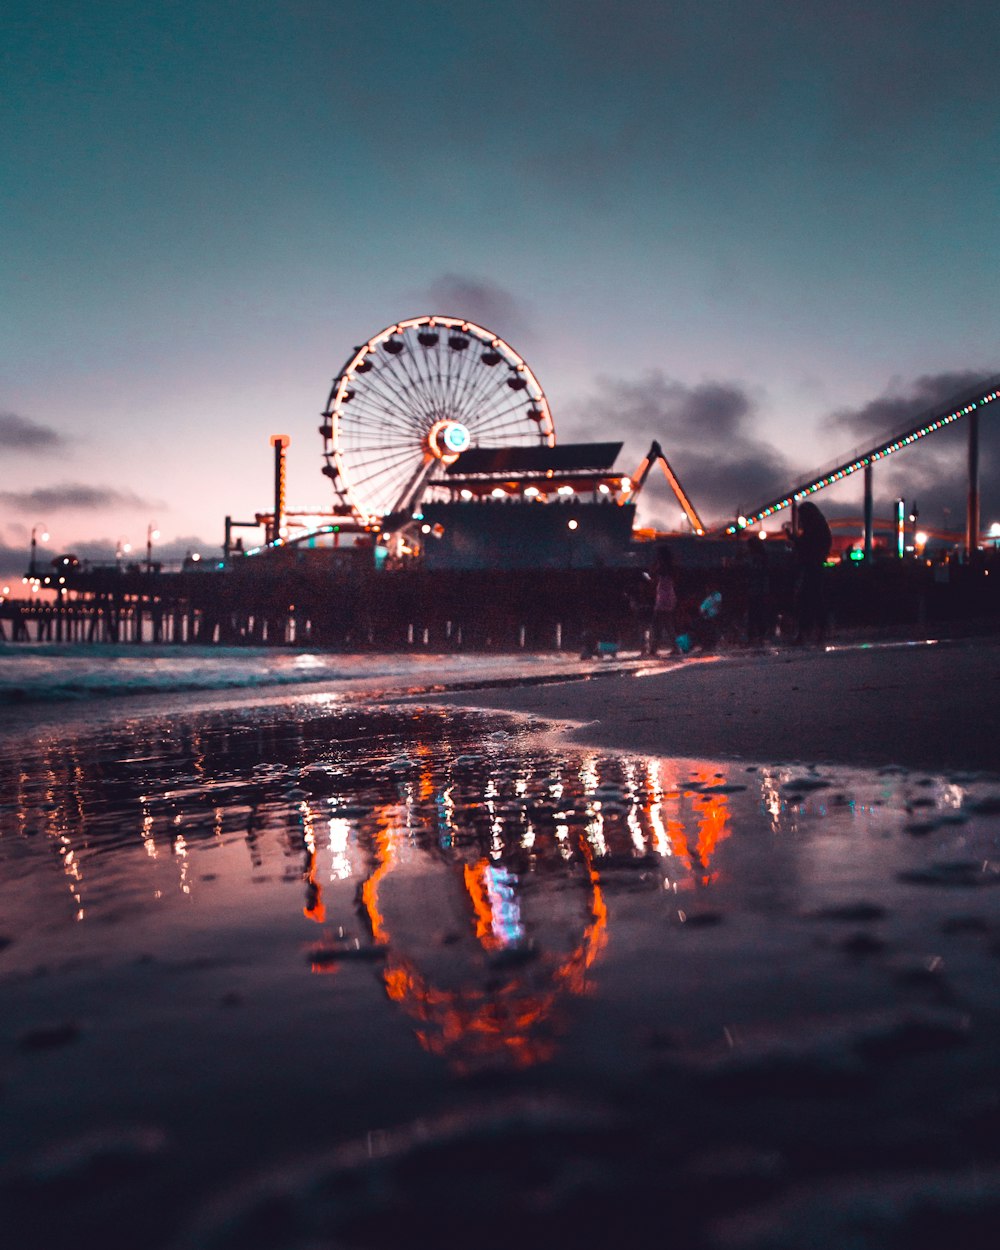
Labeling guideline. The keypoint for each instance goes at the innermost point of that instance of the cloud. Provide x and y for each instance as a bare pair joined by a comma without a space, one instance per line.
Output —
891,413
70,496
21,434
707,433
932,473
479,300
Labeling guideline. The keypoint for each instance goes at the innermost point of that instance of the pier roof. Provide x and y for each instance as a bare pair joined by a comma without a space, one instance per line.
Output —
563,458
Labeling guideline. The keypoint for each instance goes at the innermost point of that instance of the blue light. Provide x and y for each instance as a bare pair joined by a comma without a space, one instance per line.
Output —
456,437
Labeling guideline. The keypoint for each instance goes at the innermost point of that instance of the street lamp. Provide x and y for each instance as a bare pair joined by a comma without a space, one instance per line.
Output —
40,525
122,549
151,533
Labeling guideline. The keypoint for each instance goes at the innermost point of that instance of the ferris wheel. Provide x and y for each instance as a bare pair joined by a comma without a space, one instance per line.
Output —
413,398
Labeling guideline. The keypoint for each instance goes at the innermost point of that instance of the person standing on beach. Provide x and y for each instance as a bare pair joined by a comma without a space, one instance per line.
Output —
811,546
664,602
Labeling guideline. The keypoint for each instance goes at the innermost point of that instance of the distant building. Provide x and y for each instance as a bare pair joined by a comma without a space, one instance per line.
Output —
529,507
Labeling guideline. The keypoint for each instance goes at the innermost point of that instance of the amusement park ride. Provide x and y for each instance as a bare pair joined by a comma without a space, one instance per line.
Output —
435,413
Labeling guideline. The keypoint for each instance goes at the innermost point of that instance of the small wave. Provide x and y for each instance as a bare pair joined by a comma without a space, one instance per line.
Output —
34,675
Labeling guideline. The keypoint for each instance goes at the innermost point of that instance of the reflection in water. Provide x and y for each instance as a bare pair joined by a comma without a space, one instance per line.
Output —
474,876
236,941
466,861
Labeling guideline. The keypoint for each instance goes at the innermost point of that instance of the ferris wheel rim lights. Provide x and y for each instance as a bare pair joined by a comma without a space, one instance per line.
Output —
407,420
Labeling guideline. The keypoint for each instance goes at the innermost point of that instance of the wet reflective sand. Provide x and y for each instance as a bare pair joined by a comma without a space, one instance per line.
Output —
318,976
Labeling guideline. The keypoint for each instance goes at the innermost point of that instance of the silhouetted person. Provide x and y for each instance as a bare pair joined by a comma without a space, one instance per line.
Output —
662,626
811,545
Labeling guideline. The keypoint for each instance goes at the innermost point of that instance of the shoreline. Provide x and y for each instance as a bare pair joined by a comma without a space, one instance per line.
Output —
931,705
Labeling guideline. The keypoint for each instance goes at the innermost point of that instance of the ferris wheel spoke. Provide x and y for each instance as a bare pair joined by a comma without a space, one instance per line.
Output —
505,418
384,470
376,408
440,383
507,401
438,378
459,378
389,482
479,398
387,394
409,394
409,365
366,451
375,484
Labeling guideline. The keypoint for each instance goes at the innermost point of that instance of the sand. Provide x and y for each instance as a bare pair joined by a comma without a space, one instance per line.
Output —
282,972
923,705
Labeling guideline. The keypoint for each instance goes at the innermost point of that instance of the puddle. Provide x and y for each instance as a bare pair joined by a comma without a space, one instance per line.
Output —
311,976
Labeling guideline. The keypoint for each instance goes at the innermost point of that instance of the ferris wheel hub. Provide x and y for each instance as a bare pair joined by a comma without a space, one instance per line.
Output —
447,439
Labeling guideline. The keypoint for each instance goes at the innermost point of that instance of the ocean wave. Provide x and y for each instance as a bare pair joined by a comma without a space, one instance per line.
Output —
63,674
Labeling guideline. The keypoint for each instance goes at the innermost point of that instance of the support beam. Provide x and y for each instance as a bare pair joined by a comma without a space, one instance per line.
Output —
869,512
972,516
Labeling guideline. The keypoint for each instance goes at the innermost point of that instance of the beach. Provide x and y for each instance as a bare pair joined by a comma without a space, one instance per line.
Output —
928,704
529,950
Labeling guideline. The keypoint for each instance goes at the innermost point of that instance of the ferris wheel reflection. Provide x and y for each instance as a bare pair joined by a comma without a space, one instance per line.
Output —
481,893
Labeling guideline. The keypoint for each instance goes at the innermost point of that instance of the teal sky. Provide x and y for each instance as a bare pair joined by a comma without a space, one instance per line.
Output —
205,207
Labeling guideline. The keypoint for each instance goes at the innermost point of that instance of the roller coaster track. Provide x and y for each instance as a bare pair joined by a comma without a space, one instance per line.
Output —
931,421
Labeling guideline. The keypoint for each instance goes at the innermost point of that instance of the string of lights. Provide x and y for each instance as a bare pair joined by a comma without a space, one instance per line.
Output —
929,425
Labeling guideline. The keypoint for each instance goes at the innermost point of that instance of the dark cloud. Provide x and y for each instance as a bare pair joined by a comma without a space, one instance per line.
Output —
13,566
69,496
934,471
20,434
931,474
14,559
479,300
706,432
893,413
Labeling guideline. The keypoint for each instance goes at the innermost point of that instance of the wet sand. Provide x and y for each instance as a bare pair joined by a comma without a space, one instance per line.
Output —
292,971
921,705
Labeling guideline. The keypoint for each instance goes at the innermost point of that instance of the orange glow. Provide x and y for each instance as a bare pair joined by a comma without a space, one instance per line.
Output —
633,488
469,1026
475,884
314,908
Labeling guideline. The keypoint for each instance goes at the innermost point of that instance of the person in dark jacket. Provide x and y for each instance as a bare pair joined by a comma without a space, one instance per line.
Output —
811,545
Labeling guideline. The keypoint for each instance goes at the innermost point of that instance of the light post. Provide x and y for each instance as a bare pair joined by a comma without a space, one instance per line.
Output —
122,549
151,533
40,525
